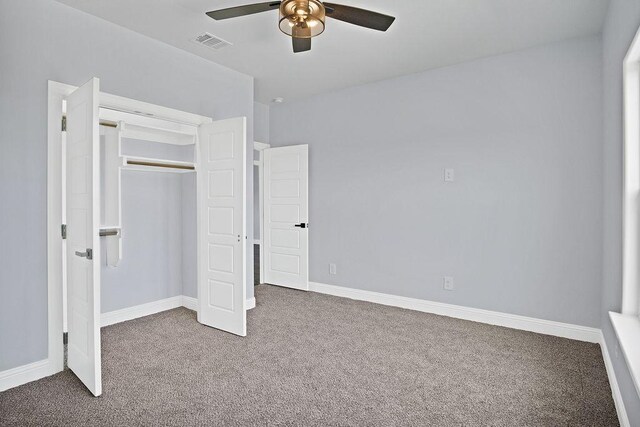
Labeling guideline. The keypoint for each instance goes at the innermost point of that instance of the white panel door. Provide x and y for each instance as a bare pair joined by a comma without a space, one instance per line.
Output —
286,216
222,278
83,228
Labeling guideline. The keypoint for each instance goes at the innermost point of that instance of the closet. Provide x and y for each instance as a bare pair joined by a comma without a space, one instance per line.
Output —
108,137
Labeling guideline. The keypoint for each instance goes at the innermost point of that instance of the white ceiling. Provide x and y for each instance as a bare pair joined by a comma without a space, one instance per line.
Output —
426,34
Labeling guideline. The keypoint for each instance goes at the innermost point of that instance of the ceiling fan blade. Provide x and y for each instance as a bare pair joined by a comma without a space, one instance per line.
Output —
357,16
301,45
248,9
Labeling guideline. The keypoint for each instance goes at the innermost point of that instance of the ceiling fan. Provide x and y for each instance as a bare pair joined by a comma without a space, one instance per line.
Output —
304,19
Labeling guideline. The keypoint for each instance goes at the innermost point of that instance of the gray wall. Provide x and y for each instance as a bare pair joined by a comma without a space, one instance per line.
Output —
261,122
623,20
189,244
152,267
518,229
43,40
152,245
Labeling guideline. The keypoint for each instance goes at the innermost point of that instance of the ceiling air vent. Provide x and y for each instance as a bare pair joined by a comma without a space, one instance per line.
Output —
211,41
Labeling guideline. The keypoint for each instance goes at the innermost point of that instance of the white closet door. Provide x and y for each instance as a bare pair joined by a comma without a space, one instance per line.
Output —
221,225
83,228
286,216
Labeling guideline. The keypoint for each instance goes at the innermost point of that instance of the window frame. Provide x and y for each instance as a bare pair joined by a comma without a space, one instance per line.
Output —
627,323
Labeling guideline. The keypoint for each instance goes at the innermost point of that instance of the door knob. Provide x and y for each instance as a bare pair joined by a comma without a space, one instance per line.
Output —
302,225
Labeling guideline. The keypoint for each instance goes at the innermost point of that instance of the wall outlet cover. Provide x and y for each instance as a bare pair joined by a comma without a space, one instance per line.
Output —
447,283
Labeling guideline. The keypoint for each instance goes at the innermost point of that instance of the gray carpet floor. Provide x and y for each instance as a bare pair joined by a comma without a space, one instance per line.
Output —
317,360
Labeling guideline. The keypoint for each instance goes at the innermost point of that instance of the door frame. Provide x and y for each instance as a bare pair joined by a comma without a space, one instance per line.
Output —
57,93
260,147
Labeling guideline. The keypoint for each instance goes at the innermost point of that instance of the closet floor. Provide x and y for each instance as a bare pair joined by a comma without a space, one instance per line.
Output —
312,359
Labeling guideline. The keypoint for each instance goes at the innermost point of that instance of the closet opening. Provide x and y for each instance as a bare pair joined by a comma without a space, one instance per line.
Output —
146,210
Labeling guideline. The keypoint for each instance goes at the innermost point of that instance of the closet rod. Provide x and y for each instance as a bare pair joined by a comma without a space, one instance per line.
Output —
160,165
103,123
109,232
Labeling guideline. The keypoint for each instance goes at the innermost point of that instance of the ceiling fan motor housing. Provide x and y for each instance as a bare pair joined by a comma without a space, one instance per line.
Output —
302,18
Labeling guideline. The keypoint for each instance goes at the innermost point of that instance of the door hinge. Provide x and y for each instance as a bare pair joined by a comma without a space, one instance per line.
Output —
63,231
64,123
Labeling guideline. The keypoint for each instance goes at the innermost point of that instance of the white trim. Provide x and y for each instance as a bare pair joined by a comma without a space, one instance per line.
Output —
627,329
260,145
257,241
631,183
261,213
133,106
613,383
154,307
26,373
541,326
141,310
192,303
57,92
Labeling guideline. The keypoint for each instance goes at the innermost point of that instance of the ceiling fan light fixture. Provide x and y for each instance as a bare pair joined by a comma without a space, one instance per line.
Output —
302,18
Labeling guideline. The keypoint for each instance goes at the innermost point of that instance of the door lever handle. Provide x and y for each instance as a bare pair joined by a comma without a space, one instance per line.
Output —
302,225
88,254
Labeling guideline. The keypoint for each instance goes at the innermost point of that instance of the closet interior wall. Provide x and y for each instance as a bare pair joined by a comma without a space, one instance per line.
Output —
158,228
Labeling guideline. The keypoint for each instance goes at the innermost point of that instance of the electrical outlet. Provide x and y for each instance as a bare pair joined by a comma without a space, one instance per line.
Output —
449,175
332,269
447,283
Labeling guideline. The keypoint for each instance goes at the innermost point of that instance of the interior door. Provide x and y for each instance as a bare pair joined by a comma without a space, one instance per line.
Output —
222,245
83,228
286,216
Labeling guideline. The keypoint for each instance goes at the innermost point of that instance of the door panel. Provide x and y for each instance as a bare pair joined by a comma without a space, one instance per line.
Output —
83,227
221,222
286,199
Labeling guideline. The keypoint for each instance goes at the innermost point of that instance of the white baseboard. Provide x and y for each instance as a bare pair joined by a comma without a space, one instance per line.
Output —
541,326
613,383
141,310
190,303
24,374
154,307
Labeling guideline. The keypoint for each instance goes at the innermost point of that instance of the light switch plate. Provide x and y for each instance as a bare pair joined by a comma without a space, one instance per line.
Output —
449,175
